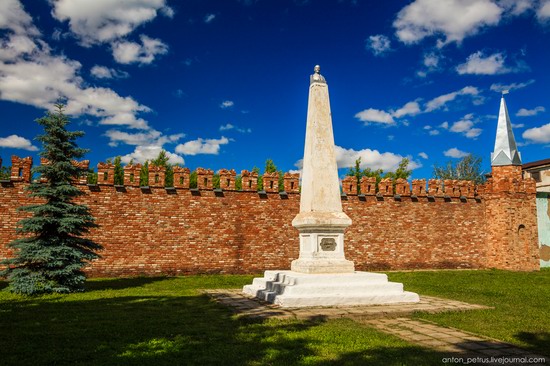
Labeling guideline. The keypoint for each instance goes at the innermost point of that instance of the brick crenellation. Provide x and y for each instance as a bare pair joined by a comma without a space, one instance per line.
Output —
452,224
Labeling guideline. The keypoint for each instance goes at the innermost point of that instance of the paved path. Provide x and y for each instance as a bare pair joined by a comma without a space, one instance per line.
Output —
393,319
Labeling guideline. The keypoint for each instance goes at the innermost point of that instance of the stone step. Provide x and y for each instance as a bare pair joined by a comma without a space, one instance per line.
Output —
335,300
336,289
293,289
291,277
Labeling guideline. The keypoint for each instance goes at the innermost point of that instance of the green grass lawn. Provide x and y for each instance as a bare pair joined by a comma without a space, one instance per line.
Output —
521,302
167,321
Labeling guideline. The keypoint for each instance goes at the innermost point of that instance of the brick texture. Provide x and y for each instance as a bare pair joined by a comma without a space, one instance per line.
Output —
182,231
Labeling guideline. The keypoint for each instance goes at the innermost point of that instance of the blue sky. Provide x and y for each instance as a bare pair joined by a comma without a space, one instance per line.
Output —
224,84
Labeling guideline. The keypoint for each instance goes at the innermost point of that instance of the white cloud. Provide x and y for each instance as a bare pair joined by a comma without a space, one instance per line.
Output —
472,133
518,125
227,104
370,159
433,132
17,142
455,153
442,100
409,109
14,18
514,86
452,19
423,155
461,126
431,63
94,22
202,146
102,72
530,112
45,79
431,60
543,12
150,152
151,137
538,135
229,126
147,144
479,64
378,44
444,125
30,74
209,18
375,115
465,126
226,127
372,115
517,7
17,45
125,52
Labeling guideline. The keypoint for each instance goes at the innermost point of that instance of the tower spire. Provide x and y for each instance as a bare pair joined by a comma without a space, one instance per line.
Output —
506,151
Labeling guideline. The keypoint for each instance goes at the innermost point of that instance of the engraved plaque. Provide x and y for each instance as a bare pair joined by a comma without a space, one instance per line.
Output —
328,244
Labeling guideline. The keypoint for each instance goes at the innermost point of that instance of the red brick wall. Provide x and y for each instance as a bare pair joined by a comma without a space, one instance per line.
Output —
154,232
512,238
160,231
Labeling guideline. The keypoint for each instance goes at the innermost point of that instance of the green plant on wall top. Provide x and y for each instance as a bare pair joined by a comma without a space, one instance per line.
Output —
53,249
5,172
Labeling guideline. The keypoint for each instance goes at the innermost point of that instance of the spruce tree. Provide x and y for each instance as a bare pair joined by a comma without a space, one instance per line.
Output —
162,161
51,255
119,172
144,174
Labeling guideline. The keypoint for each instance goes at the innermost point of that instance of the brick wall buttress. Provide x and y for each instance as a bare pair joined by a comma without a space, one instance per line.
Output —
511,214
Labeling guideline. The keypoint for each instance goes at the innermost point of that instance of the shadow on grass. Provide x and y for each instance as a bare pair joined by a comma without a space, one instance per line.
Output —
538,342
184,330
120,283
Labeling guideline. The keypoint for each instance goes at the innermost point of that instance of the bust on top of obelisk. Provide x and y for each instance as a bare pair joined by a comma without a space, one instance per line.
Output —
321,221
317,77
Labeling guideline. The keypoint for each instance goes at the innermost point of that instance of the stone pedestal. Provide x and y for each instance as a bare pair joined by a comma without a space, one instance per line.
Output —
294,289
322,243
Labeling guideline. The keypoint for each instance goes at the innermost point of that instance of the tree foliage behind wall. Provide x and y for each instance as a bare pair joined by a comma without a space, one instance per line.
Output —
467,168
402,171
162,160
119,172
5,172
144,174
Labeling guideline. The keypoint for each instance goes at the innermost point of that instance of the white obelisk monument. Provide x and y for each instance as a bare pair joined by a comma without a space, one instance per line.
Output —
322,276
321,221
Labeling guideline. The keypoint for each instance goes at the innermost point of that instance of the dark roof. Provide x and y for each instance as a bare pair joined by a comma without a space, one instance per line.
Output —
535,164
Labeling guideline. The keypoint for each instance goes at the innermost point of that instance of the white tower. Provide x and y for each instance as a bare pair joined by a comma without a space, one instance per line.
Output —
506,151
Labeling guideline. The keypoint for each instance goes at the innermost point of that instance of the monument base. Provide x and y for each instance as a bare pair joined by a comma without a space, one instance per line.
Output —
337,265
294,289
